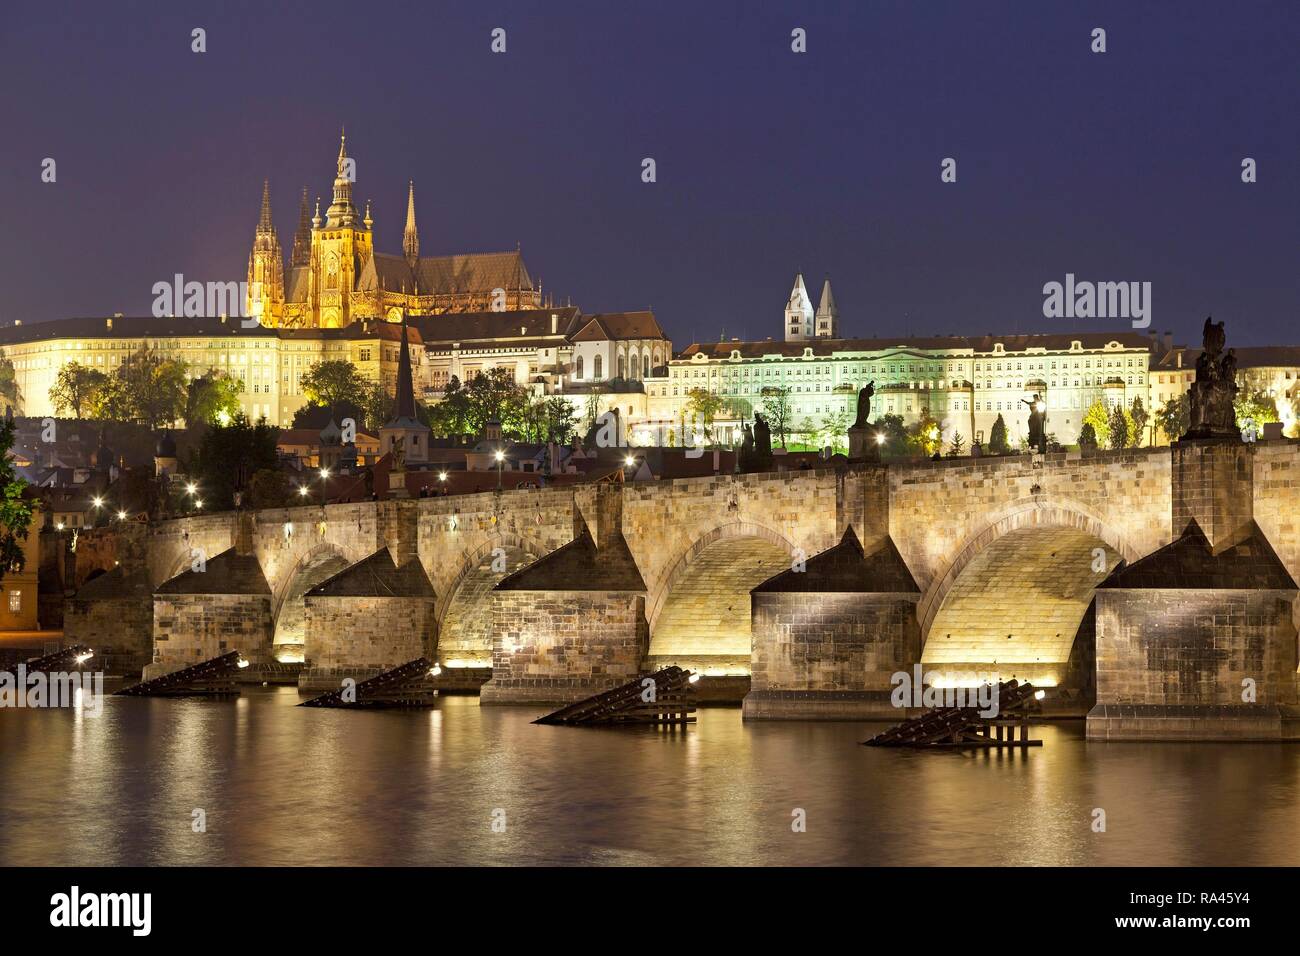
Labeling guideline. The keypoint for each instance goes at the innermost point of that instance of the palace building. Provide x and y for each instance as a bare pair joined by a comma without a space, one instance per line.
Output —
335,276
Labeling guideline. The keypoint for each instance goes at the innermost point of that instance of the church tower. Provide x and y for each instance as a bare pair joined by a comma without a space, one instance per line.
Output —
340,247
798,313
405,423
828,317
265,300
410,238
301,254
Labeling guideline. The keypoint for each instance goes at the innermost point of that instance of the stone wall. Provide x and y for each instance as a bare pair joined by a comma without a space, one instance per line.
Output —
1181,647
190,628
118,630
359,633
829,656
555,647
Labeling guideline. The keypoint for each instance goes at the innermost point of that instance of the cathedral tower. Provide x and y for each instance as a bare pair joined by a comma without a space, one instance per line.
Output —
828,317
265,300
798,312
340,248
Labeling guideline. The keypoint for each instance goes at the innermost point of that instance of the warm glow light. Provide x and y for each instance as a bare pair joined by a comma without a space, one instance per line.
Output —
880,439
97,502
324,472
59,526
223,417
302,490
629,461
198,502
243,663
694,678
457,663
1040,407
191,488
82,658
442,476
500,456
1039,694
121,516
435,670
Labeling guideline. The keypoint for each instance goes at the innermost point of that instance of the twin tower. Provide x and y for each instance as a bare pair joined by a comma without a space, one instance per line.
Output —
802,323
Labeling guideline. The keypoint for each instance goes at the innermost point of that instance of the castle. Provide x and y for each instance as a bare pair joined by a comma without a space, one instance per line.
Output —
335,277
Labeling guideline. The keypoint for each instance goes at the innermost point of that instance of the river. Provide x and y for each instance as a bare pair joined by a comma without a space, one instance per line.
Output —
459,784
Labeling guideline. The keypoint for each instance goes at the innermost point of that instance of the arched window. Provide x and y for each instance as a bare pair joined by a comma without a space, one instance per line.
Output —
645,363
579,366
620,366
596,367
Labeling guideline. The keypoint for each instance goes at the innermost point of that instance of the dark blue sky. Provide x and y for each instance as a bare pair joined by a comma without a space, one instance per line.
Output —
1122,166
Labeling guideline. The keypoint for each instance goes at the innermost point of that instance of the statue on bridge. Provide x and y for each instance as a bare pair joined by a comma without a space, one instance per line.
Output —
1037,423
756,448
1211,397
863,445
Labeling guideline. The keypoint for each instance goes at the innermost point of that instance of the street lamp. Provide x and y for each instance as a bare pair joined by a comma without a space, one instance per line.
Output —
500,457
121,516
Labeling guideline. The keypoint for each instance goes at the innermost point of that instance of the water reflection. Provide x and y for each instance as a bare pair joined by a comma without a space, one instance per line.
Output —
286,785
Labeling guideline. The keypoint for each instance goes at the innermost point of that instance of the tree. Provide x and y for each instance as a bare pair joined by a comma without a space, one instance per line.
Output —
147,388
270,488
1120,428
15,510
1253,410
810,432
998,437
556,417
957,447
776,408
10,393
1099,418
1174,418
334,382
1139,416
74,388
449,417
925,435
1088,437
228,457
704,406
895,432
378,407
494,396
835,429
211,397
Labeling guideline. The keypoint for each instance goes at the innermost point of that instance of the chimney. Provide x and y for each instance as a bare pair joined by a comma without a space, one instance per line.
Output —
1169,341
555,323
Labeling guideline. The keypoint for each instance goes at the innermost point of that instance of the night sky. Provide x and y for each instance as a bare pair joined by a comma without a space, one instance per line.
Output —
1121,166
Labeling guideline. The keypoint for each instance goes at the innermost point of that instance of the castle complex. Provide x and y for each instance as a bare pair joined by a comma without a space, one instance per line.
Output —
338,298
335,277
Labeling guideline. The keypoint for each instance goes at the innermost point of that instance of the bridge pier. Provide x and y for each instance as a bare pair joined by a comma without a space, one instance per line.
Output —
827,637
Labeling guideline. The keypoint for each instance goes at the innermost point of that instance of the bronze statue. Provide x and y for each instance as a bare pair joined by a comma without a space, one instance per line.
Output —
1210,399
762,439
864,404
1037,424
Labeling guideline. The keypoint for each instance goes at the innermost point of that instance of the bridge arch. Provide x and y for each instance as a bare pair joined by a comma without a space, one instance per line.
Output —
1016,598
699,614
464,611
289,599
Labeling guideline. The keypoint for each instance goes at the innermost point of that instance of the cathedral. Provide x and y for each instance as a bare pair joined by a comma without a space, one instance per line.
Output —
335,277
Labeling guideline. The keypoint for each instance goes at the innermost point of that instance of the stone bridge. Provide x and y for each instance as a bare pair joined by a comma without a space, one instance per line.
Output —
1154,587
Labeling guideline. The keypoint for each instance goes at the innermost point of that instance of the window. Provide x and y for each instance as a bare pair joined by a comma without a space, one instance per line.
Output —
579,366
15,602
596,367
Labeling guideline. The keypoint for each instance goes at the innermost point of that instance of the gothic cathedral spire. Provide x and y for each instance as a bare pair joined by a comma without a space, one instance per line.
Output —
265,300
410,238
828,316
301,254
